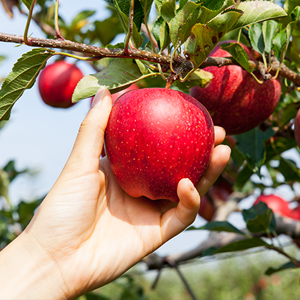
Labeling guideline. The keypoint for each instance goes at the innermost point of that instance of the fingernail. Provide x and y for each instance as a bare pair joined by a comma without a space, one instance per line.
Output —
191,185
98,97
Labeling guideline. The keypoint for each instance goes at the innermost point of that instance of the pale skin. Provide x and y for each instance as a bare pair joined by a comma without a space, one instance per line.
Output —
88,231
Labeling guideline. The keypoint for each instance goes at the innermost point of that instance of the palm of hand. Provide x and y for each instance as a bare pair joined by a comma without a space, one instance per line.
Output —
76,234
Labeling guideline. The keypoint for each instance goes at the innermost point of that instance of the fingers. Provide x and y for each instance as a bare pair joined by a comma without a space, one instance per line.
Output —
219,160
178,218
89,141
219,135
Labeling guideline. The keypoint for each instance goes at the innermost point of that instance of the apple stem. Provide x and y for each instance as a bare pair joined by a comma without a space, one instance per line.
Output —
130,27
77,57
26,40
58,34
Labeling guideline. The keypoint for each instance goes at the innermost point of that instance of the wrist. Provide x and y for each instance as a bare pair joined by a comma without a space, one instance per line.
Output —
28,272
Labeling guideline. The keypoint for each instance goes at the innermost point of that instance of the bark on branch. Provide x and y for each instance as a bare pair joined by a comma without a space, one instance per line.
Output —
98,52
285,226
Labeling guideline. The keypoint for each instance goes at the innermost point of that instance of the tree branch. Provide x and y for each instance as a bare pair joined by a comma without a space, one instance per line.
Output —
284,225
99,53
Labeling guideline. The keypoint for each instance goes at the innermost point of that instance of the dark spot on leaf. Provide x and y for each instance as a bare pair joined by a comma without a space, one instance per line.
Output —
220,34
214,39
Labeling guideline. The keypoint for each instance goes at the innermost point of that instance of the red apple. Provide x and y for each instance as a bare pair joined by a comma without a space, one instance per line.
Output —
235,100
154,138
295,214
57,83
276,203
219,191
297,128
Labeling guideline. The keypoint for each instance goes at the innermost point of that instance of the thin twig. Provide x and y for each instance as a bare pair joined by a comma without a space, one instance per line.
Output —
130,27
26,41
58,34
173,264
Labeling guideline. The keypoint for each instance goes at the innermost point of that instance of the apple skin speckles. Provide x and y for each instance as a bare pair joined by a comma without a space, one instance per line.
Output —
236,101
154,138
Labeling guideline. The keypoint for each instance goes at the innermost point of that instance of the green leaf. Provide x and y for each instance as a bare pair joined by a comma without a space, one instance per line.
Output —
259,218
158,4
295,46
10,168
256,38
123,8
222,24
2,57
251,144
199,44
160,31
239,54
279,43
184,20
277,146
257,11
168,10
213,4
287,113
290,5
289,170
119,74
269,30
4,183
22,77
242,177
218,226
288,265
209,251
107,29
208,10
93,296
26,210
200,78
82,16
27,3
242,245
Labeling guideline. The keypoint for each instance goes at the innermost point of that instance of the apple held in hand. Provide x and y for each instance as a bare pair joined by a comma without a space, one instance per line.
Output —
154,138
235,100
57,83
276,203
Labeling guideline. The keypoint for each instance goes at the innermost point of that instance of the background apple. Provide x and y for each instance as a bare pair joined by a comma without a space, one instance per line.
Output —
154,138
235,100
57,82
297,128
276,203
220,191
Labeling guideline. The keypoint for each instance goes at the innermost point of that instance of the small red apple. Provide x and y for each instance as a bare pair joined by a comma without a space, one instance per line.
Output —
276,203
297,128
57,83
219,191
154,138
235,100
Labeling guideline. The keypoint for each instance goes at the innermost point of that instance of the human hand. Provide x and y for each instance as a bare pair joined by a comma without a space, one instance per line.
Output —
89,230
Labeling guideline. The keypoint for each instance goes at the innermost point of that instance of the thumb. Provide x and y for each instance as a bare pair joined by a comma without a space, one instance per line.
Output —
89,141
180,217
